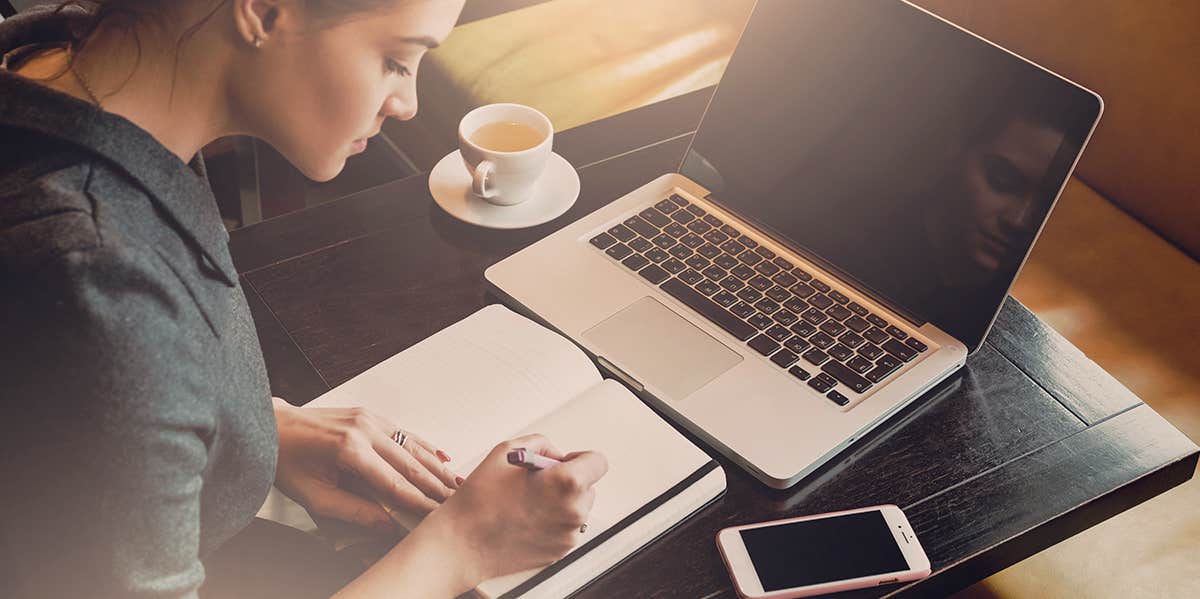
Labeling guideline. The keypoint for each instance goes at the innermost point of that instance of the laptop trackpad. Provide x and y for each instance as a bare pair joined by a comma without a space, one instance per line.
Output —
661,349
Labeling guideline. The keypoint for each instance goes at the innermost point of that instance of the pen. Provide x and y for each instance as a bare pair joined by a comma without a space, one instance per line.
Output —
530,460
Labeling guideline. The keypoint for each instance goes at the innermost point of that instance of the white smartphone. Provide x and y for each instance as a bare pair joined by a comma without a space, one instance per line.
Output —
825,553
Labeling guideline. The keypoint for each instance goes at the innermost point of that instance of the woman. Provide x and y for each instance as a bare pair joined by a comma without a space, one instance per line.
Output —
140,435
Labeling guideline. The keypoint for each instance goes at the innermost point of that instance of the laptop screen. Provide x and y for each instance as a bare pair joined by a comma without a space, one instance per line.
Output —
905,155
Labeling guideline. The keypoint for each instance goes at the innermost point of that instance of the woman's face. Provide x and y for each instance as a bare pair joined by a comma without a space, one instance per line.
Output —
317,92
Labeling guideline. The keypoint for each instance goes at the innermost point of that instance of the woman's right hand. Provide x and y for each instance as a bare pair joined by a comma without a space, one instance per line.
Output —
505,519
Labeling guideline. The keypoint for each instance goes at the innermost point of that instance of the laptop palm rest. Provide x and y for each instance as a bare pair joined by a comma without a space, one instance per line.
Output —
661,349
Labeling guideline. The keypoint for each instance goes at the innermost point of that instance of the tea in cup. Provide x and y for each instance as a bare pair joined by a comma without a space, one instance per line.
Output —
505,147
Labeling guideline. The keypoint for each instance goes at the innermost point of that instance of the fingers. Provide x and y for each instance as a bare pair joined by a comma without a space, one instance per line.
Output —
534,442
423,469
588,466
387,481
336,503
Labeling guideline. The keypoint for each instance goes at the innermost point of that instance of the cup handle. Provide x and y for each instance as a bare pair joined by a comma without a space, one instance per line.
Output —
479,179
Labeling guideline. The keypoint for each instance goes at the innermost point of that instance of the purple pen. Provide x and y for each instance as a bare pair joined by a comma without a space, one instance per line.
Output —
530,460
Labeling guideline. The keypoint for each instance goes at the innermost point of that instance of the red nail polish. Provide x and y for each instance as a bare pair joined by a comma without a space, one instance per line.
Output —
459,480
442,456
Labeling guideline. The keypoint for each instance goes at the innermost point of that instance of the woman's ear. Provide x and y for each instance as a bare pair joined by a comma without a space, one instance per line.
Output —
257,20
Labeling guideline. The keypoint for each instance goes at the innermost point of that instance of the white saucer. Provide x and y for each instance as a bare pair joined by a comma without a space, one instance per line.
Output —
556,192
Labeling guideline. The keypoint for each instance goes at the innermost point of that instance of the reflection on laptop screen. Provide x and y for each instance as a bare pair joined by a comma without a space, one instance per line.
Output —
893,148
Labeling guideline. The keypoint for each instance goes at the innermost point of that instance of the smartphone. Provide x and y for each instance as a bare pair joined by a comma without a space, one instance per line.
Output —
811,555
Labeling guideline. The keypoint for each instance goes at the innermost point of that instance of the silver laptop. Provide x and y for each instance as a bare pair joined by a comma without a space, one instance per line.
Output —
864,186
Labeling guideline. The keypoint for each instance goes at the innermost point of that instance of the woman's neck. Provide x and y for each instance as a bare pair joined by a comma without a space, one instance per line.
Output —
183,104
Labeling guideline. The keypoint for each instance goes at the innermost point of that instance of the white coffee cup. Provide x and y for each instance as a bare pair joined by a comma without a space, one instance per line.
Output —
505,178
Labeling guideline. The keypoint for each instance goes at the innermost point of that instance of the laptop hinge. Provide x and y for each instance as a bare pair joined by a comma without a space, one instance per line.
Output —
620,374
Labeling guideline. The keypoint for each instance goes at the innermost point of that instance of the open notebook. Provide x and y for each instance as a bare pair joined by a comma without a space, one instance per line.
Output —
496,375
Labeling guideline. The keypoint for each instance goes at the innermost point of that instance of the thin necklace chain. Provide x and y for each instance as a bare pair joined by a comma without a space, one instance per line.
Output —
79,77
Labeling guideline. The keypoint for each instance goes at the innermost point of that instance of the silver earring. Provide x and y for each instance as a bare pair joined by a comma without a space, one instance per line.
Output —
257,43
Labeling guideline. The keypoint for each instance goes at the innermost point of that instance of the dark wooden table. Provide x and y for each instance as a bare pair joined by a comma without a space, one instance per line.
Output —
1028,445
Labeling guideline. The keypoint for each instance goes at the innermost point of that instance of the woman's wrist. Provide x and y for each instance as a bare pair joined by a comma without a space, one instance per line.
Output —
432,561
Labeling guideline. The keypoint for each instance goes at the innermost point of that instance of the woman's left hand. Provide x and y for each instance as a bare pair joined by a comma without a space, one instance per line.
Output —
320,449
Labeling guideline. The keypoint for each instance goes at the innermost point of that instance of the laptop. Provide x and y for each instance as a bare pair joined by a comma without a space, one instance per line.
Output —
863,188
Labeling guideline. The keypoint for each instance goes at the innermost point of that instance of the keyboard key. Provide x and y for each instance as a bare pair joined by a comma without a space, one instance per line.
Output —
712,220
690,277
714,272
716,237
619,251
732,283
726,261
784,358
697,262
767,269
680,251
802,290
654,274
725,298
838,312
779,294
796,305
839,352
747,241
642,227
859,364
675,230
655,217
887,361
778,333
759,321
822,340
699,227
766,306
733,247
640,244
679,200
879,373
917,345
846,376
683,217
820,285
799,373
877,321
761,283
764,252
603,240
744,310
707,287
635,262
897,333
688,296
656,255
696,210
784,279
870,352
856,324
820,301
663,241
833,328
851,340
709,251
749,294
899,350
837,296
673,266
875,335
802,274
730,230
763,345
804,329
622,233
666,206
814,316
821,384
785,317
692,240
857,309
742,272
750,258
782,263
797,344
837,398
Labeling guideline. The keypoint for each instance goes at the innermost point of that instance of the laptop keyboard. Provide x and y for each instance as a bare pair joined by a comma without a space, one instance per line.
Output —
804,326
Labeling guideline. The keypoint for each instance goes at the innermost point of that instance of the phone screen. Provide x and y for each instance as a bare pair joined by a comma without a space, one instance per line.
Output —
823,550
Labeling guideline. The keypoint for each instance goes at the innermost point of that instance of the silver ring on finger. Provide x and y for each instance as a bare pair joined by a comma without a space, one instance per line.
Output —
399,437
583,528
